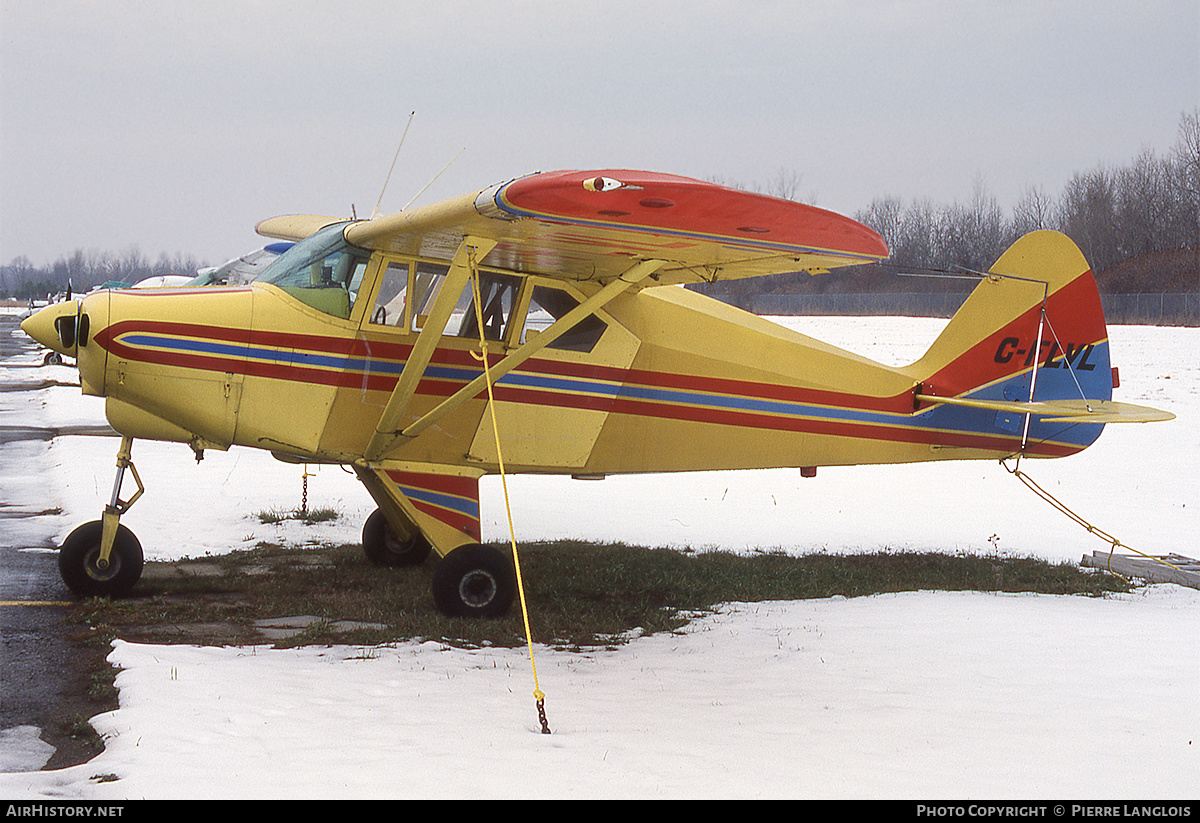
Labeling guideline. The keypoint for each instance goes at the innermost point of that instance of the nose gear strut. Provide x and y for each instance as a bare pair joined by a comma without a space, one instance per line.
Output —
103,558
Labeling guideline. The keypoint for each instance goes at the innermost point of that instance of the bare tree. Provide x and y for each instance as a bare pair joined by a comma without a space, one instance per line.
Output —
785,184
1087,214
1186,179
1145,207
1033,212
916,241
884,215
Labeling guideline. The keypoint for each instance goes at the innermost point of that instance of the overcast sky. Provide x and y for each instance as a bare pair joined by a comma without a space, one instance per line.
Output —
175,127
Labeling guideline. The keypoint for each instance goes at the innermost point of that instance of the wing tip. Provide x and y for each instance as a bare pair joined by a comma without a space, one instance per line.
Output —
294,226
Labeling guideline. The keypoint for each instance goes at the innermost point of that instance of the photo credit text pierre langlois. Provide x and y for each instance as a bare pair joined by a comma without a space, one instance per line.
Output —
1157,810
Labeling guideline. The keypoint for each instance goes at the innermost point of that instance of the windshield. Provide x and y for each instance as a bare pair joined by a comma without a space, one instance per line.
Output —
240,270
322,271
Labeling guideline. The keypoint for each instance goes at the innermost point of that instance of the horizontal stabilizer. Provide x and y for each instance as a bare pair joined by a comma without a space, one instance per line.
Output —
1063,411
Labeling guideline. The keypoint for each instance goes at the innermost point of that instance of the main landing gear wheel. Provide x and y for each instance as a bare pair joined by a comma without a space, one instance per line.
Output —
474,581
80,567
383,548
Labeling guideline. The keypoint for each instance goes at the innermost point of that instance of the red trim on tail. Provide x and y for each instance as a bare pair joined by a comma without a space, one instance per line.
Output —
1075,316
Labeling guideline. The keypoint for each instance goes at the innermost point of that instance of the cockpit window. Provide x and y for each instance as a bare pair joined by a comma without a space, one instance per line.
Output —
497,294
547,305
322,271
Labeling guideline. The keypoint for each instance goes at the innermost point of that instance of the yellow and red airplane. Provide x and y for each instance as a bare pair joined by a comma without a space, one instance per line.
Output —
364,344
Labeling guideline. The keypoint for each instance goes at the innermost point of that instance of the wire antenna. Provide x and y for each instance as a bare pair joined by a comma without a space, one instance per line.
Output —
435,177
386,180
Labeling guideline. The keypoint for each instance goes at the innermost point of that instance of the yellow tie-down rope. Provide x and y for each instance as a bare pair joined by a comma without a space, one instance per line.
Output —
1045,495
1062,507
512,536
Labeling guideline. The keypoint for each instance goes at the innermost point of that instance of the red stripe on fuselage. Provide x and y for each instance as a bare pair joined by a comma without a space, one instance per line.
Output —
359,347
369,349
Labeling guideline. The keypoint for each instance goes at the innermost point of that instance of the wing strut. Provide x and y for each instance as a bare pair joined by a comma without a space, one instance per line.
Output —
560,327
456,278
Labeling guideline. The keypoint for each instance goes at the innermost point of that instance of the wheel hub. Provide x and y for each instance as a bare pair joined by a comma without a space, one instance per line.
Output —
477,588
99,569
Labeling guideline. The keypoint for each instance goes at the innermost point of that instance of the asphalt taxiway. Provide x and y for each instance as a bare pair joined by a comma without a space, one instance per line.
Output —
39,675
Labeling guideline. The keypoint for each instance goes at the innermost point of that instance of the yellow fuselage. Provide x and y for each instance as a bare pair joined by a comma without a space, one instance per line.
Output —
676,382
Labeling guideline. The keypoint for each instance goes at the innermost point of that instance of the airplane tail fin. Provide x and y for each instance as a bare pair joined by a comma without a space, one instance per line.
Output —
1030,340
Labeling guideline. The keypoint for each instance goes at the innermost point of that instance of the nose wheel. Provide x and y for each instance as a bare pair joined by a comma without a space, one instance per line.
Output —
89,574
103,558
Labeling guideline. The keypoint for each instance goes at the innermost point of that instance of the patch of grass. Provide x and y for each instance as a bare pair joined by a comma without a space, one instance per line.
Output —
102,686
594,591
579,594
306,516
80,728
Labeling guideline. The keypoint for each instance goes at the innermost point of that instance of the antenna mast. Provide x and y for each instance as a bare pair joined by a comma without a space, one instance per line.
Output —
375,213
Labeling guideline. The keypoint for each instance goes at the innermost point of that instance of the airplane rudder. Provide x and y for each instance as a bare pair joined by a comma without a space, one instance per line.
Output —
993,339
1074,357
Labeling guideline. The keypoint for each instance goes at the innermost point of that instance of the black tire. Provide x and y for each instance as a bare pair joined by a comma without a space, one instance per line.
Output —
77,562
383,548
474,581
52,358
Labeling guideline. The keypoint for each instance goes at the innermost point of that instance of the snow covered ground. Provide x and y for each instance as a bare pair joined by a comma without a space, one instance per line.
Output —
926,694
